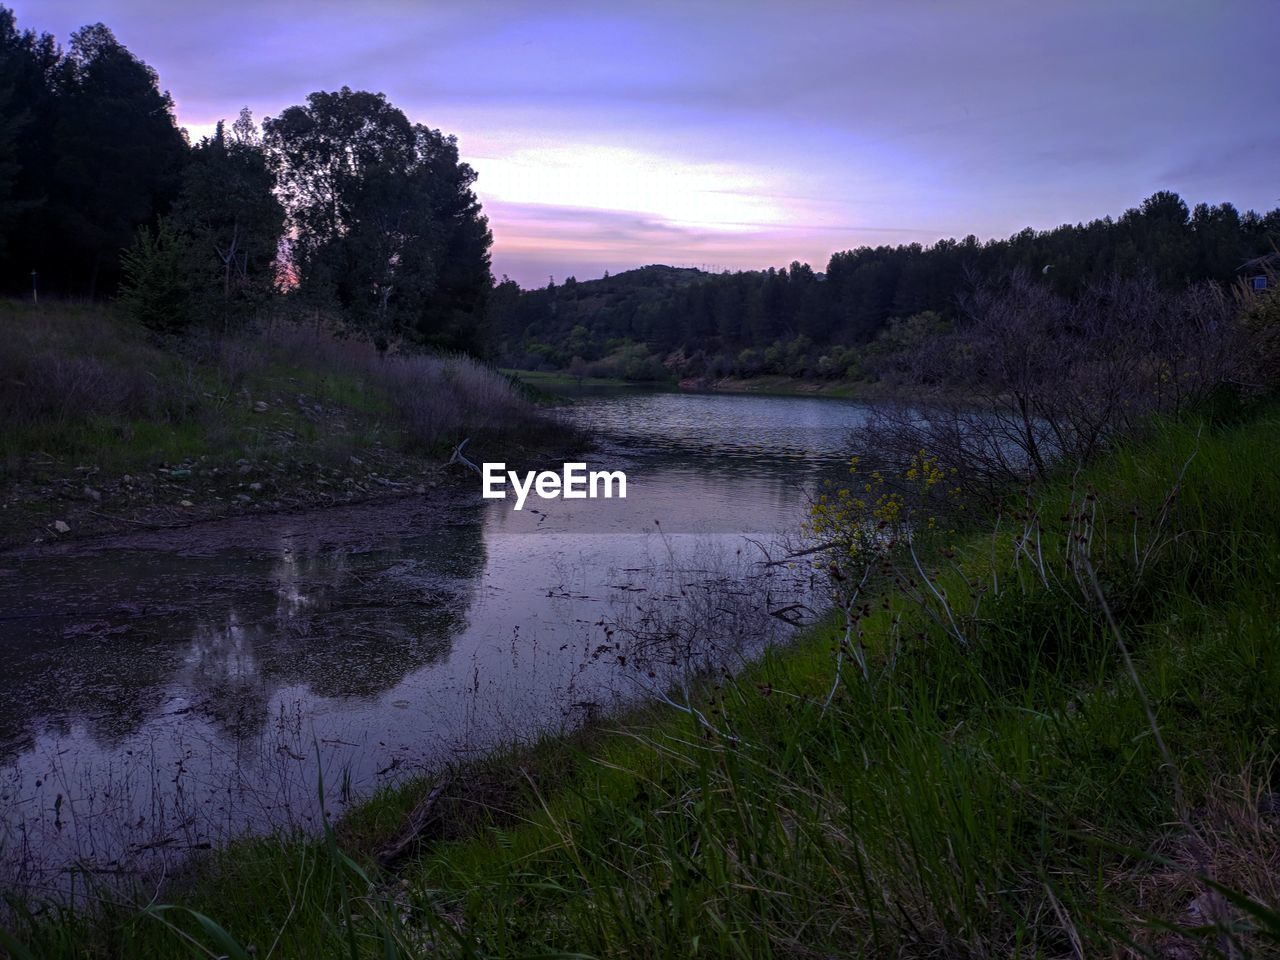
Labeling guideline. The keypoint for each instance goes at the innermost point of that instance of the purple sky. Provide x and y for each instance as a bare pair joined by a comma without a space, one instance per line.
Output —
740,134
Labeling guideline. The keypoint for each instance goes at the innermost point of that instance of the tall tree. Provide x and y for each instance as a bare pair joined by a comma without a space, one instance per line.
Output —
28,103
228,210
383,219
118,156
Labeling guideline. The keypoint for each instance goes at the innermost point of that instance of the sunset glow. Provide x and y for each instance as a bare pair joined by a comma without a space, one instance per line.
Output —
749,135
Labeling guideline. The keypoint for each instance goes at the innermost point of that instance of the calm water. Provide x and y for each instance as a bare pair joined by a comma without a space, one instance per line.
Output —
172,687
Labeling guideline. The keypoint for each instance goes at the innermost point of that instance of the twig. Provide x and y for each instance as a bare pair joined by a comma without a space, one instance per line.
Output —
423,816
460,457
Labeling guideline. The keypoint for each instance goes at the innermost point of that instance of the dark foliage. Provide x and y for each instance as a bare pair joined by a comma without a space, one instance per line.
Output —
89,151
796,322
101,193
384,222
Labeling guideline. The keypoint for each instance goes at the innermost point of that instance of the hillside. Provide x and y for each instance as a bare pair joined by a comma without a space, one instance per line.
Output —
106,426
664,322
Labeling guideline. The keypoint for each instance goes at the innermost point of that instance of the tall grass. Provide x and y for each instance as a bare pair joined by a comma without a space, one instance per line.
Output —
1001,798
439,398
80,381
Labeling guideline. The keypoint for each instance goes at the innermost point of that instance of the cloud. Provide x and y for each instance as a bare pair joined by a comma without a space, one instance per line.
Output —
608,135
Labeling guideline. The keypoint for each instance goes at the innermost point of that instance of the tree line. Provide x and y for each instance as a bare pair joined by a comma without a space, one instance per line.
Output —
869,302
345,206
341,203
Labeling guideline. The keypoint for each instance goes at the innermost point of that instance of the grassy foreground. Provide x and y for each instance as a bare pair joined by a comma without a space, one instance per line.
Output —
1004,798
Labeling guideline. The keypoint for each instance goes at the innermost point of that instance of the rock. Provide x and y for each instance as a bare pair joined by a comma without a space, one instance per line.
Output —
255,487
179,472
420,488
245,469
60,526
93,494
260,407
244,498
185,503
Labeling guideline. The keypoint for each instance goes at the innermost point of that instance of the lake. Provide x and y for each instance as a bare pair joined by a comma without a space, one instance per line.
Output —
167,689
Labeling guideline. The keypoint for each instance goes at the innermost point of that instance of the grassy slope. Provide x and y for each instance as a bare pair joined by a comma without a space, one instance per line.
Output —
1002,800
100,420
171,407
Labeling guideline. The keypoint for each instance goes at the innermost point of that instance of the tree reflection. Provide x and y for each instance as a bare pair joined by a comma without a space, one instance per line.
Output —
228,632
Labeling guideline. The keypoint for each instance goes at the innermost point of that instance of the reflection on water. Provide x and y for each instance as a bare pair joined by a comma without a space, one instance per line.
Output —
105,638
178,685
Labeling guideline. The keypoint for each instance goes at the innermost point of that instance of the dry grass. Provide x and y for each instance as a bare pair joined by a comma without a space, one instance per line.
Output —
79,380
72,362
1237,842
440,398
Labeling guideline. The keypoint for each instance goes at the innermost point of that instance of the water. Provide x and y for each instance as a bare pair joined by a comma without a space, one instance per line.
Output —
169,689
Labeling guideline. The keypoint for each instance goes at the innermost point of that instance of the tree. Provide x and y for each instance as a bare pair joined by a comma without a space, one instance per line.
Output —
118,155
28,64
230,214
384,222
157,287
11,125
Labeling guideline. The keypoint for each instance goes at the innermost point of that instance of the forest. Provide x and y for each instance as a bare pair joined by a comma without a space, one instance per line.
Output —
659,322
340,203
343,207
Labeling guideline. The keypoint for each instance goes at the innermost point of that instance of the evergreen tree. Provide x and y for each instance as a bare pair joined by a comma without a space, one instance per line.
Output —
228,210
117,157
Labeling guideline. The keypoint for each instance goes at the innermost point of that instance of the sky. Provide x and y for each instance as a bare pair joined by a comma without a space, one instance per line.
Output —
739,134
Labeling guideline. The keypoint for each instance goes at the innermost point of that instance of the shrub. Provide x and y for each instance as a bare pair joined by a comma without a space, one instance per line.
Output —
1044,380
158,290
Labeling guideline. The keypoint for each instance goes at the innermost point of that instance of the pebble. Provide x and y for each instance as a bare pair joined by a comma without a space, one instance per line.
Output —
60,526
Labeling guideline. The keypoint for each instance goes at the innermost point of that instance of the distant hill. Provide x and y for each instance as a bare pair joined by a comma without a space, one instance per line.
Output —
800,322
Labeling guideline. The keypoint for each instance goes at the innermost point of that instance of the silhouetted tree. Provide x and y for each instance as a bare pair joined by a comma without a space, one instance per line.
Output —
384,221
228,210
117,156
28,67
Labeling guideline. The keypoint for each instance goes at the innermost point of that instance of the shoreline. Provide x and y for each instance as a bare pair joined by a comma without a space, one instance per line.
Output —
634,800
771,386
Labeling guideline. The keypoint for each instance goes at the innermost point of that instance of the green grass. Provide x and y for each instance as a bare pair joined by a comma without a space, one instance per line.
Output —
81,384
1004,799
771,385
114,445
556,379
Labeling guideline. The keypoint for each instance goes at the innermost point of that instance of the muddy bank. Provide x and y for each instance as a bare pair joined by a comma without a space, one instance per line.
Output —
85,503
